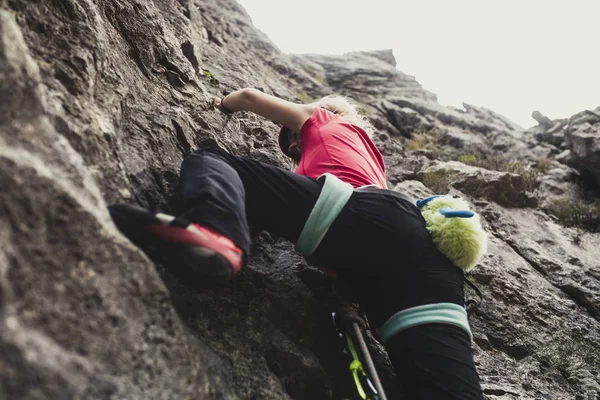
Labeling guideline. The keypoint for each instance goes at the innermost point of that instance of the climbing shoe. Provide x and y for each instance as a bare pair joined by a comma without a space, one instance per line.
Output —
196,255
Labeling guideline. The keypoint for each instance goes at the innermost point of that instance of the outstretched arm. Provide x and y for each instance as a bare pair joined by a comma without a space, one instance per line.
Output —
277,110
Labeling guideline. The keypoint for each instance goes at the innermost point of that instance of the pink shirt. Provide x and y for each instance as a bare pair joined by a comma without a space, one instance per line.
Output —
331,144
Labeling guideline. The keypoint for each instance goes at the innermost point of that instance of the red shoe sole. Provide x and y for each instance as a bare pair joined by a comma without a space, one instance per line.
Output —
188,260
197,238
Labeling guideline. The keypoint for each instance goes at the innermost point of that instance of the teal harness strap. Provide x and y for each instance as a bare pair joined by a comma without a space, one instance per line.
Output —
331,201
444,313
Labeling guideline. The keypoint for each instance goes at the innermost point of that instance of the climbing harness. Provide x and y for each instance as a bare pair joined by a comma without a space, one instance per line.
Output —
332,199
349,326
444,313
334,196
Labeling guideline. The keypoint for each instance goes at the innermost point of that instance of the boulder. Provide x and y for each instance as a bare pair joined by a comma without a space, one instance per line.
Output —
504,188
583,141
558,181
543,121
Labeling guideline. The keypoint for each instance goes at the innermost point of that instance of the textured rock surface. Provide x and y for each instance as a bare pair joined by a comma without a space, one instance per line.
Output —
574,141
558,181
82,313
504,188
101,100
582,138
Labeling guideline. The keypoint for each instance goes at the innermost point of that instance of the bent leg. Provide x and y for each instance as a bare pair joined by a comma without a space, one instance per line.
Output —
211,194
226,192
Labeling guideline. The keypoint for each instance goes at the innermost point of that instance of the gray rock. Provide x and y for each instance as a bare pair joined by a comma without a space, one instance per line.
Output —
583,140
462,139
564,156
557,182
99,103
83,314
553,134
504,188
542,120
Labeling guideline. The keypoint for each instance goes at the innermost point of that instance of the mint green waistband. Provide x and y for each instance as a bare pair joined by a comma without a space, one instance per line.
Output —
334,196
443,313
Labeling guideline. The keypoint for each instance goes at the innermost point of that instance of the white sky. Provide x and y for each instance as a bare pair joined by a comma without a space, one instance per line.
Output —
512,56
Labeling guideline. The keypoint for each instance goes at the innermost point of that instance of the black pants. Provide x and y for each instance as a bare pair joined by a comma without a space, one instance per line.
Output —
378,244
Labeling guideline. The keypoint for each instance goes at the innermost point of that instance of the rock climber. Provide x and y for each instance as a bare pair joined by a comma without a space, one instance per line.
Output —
378,242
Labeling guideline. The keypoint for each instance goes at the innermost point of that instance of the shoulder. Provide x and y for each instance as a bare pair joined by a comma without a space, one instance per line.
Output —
322,116
319,118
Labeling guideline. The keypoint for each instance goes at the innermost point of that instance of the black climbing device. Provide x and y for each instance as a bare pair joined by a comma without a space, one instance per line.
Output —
349,325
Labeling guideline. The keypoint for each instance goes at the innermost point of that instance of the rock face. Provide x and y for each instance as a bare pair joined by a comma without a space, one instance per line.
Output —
582,138
82,313
504,188
575,142
99,103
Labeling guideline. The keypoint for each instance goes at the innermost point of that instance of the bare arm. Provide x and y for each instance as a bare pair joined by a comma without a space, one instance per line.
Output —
277,110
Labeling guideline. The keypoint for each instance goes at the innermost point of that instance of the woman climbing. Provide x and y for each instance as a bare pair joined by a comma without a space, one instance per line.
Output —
377,243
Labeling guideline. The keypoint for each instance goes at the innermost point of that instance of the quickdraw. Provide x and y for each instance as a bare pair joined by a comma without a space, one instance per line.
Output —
367,382
361,367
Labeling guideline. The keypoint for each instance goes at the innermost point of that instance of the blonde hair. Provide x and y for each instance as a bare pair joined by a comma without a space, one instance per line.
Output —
346,108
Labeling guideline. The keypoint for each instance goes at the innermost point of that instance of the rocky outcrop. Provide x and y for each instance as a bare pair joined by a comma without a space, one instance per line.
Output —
504,188
558,181
582,138
573,142
101,100
399,106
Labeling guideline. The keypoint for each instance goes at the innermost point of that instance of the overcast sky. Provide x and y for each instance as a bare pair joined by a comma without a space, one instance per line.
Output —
513,56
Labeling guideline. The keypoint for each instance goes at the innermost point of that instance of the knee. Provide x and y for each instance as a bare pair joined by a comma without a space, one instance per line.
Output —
209,152
195,157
